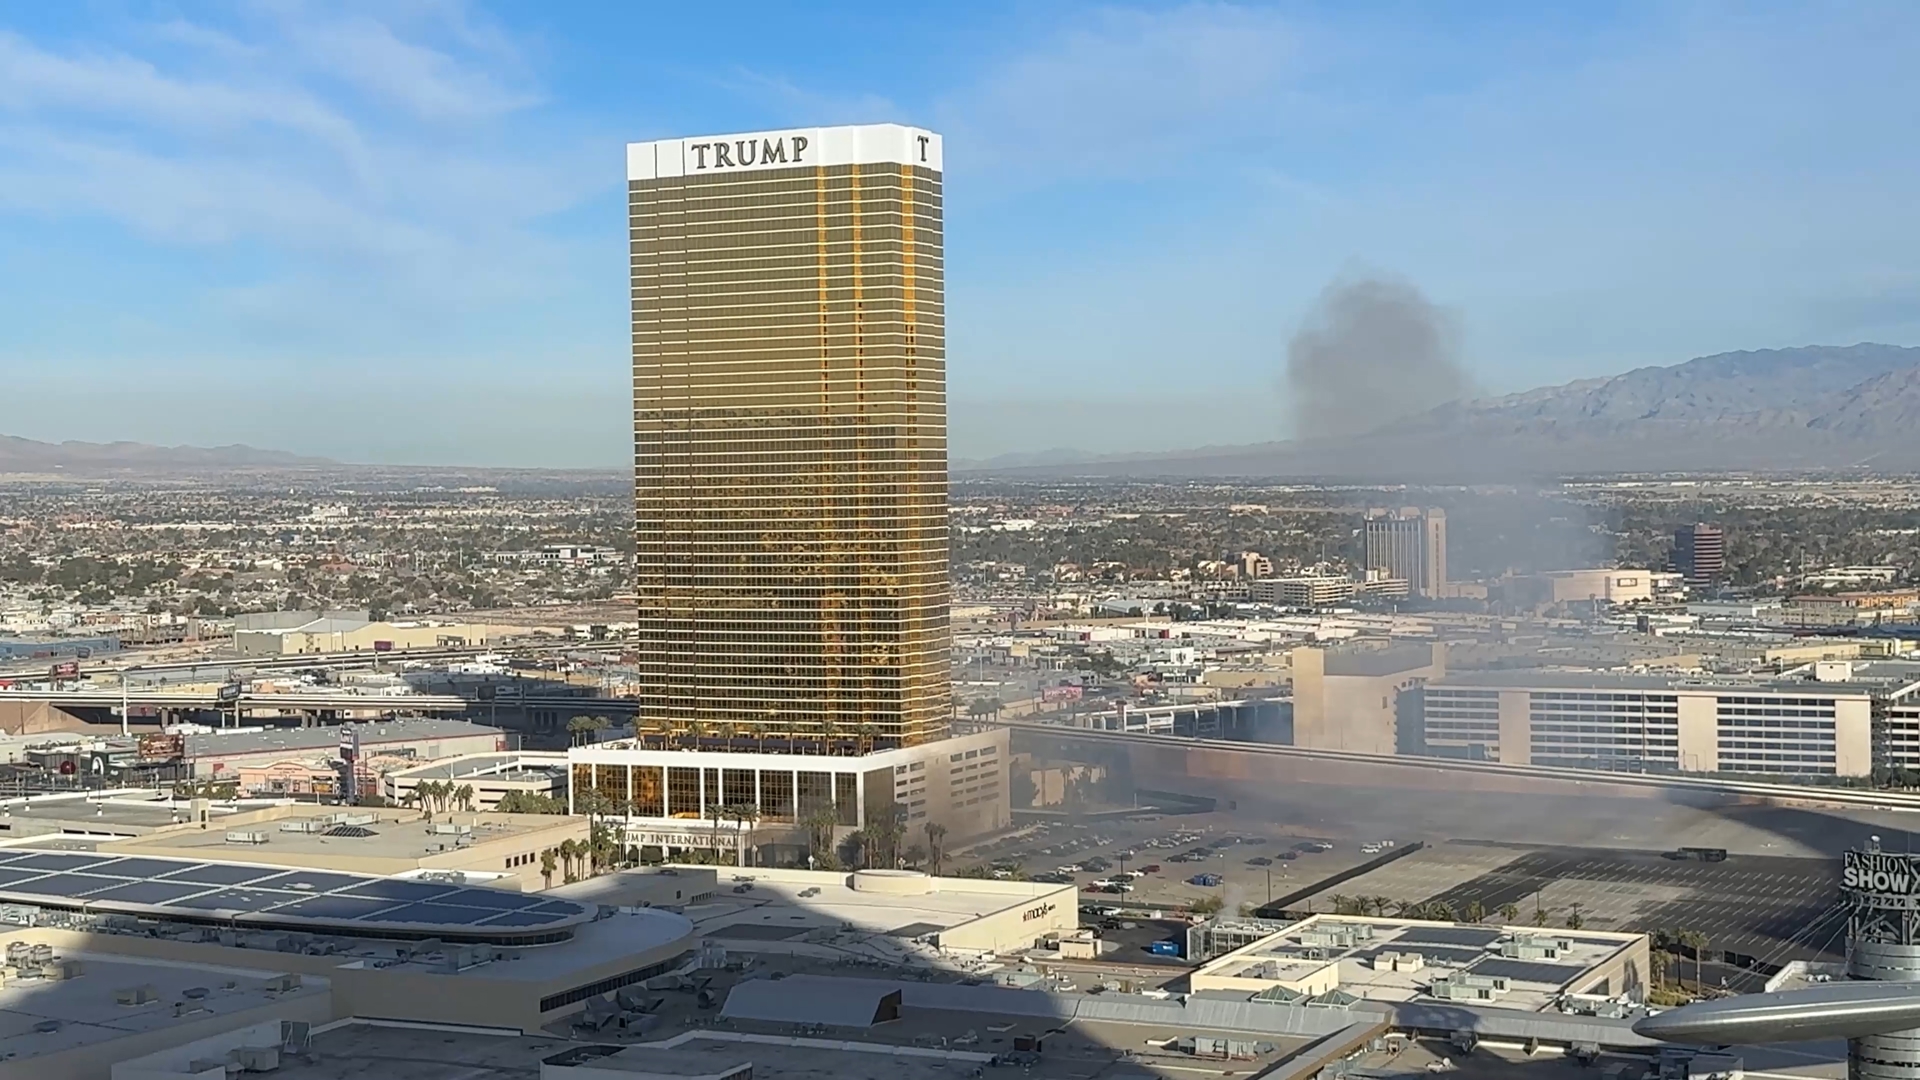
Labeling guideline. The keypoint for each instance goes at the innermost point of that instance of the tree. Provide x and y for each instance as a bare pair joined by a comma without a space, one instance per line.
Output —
936,847
1539,916
1476,911
1509,913
1206,905
1574,920
569,851
745,817
465,796
820,822
547,867
717,814
1696,942
603,846
581,729
886,826
526,802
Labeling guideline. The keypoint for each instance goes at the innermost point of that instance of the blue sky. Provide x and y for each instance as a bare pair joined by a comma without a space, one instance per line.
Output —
394,231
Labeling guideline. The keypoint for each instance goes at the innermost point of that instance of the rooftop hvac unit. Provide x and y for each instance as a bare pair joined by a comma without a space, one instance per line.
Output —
307,825
355,820
451,830
19,915
248,837
255,1058
280,984
136,995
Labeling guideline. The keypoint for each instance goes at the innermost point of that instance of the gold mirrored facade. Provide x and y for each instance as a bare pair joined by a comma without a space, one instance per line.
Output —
790,455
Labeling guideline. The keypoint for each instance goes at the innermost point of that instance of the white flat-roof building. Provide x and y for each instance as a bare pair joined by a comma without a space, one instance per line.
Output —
491,776
1403,960
1821,724
667,799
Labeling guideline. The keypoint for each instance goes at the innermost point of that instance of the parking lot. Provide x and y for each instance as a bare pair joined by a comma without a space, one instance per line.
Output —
1252,864
1771,909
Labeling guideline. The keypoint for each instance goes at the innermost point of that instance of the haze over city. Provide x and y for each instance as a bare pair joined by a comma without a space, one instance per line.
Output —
400,224
1126,542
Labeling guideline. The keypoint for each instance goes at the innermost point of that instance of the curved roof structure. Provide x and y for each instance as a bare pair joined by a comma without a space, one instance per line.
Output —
264,897
1836,1010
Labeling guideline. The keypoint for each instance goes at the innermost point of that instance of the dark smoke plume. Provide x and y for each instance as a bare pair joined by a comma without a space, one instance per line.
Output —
1371,352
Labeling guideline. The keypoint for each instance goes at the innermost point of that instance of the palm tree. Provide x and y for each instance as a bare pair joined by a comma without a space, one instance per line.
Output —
580,729
936,849
465,796
717,813
820,822
1539,916
547,867
569,850
1379,904
1441,911
1476,911
1574,921
1509,913
745,817
1696,942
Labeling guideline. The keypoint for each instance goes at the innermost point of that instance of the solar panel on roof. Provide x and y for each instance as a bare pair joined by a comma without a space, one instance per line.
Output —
1452,954
334,907
149,892
444,914
48,860
1448,935
310,881
222,873
138,868
401,890
496,899
523,918
62,885
266,894
1528,970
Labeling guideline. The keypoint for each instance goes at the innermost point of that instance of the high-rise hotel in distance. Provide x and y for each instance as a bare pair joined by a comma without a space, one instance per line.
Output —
790,448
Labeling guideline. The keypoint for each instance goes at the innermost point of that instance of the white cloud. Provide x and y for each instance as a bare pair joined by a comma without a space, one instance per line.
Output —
375,162
1130,91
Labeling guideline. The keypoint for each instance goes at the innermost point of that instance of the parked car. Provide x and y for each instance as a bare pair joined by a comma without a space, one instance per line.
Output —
1259,860
1150,868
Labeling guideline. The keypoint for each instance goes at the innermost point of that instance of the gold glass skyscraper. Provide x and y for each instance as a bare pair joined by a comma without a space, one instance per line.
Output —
790,435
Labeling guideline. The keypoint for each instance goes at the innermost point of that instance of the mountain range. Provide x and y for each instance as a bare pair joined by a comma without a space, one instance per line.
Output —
1816,407
1811,408
19,455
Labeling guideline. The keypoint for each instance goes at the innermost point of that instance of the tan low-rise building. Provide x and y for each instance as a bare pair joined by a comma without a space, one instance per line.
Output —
504,849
